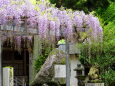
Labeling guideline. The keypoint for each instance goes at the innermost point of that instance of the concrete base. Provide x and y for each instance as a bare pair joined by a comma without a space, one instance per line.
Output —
94,84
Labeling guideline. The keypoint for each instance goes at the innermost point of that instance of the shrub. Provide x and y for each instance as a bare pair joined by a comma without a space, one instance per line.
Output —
46,49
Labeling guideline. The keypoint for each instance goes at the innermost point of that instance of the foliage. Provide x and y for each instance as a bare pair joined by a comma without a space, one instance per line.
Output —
109,78
46,49
85,5
102,54
102,58
97,55
109,38
107,15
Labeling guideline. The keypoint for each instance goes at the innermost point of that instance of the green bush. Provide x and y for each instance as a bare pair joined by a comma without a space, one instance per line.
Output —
46,49
102,54
109,77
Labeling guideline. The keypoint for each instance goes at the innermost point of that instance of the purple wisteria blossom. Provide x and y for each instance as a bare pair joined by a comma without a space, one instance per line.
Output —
48,19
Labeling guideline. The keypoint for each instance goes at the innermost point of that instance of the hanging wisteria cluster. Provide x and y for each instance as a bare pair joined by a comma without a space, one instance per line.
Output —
51,21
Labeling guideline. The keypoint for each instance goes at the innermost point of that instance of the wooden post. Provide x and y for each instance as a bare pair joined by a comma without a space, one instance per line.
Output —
1,82
36,53
25,70
30,67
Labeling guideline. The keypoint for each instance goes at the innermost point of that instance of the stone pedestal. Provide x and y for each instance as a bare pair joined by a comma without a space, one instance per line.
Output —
8,76
94,84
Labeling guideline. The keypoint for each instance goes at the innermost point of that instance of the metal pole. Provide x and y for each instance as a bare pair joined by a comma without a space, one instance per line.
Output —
67,65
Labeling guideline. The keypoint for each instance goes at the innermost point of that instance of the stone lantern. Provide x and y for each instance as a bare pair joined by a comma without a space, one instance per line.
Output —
80,74
73,53
79,70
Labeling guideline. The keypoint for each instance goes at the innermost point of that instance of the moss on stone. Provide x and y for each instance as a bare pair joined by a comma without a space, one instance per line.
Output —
55,52
63,61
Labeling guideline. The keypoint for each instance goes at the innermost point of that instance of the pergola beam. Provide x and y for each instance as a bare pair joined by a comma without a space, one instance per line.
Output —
17,30
18,33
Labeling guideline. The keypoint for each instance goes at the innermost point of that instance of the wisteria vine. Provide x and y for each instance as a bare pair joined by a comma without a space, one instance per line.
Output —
48,19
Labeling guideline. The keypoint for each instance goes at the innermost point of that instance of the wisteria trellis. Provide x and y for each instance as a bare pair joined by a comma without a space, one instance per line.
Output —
48,19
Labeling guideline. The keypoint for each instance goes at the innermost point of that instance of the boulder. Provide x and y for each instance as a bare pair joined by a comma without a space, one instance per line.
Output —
46,73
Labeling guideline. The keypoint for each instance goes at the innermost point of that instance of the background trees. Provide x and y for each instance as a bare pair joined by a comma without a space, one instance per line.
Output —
85,5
